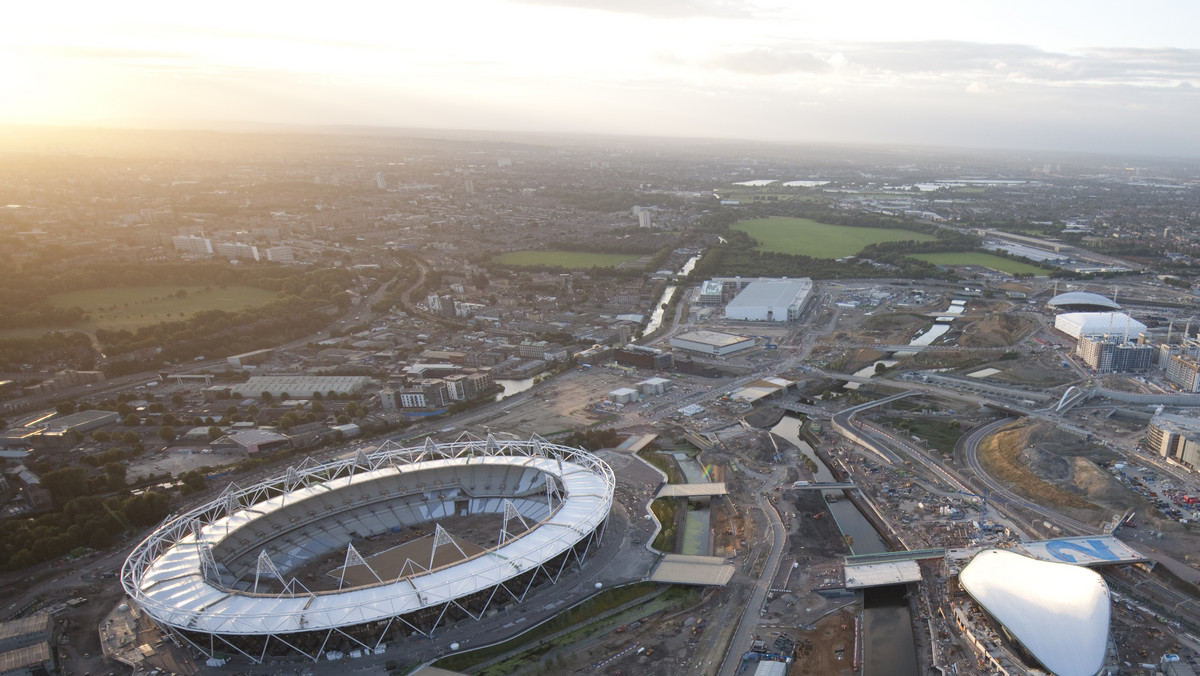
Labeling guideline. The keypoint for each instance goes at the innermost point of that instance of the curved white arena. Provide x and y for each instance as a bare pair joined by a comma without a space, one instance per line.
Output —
199,574
1058,611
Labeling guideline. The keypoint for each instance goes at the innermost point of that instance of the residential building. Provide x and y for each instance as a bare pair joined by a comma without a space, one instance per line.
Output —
192,246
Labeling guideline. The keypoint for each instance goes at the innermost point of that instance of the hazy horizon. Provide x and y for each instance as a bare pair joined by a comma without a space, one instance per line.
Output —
1096,77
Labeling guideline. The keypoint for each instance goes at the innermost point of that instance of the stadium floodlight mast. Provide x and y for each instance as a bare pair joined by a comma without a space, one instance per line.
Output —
222,577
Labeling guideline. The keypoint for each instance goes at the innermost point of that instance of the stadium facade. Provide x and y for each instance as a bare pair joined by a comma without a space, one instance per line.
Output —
224,577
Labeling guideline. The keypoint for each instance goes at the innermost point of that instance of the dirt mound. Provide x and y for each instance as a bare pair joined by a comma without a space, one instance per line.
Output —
1100,487
1049,438
999,330
1047,465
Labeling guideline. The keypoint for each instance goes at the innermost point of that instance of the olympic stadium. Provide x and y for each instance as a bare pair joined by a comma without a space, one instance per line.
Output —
350,554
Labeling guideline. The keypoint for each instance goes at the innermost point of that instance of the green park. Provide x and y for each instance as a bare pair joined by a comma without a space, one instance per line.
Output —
806,237
130,307
984,260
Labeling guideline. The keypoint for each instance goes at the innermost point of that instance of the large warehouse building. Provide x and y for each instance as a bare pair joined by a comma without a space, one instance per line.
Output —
712,343
770,301
1076,324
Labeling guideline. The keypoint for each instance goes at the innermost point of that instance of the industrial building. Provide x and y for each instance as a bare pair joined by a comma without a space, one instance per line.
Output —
711,293
254,358
1175,437
63,432
712,343
1113,354
299,386
623,395
770,301
1076,324
25,645
644,357
654,386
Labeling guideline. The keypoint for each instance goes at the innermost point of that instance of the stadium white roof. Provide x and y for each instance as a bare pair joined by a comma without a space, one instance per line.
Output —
1059,612
172,588
1082,298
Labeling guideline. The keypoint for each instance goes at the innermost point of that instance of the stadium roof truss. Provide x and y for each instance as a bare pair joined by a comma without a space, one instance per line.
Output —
180,576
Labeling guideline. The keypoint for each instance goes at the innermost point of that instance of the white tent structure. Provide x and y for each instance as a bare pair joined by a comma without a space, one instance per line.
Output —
1059,612
1076,324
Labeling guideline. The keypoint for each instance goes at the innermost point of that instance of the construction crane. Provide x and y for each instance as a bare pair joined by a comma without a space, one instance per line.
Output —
983,502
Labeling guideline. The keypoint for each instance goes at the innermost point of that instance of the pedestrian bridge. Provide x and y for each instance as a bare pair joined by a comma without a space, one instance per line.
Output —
818,486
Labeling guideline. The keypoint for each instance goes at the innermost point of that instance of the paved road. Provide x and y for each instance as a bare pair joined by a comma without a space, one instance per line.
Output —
748,623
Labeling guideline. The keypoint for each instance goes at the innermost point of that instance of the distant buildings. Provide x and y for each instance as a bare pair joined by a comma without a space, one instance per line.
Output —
237,251
192,246
280,254
298,386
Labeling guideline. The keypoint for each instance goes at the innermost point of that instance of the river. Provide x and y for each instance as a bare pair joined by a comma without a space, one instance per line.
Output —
888,645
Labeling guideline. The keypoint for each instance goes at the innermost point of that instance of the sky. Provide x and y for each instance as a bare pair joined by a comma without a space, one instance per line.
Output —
1064,75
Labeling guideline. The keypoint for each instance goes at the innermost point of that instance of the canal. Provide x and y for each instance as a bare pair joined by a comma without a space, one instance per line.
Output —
888,645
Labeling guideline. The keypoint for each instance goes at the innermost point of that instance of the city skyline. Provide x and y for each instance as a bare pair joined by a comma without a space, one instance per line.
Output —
1101,77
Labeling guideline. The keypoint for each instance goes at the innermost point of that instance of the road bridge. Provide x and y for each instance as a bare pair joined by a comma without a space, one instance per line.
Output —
796,407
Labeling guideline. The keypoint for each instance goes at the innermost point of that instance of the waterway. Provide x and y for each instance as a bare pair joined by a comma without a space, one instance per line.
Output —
864,539
656,316
698,519
512,387
888,645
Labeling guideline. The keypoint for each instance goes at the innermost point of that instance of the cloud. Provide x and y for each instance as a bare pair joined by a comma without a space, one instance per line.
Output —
766,61
657,9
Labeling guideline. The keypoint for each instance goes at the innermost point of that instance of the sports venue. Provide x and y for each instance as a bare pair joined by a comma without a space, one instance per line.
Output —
347,555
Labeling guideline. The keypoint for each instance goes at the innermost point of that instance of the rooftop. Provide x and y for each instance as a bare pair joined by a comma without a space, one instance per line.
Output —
715,338
1059,612
772,293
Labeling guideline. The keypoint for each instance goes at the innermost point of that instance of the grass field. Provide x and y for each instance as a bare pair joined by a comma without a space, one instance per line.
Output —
806,237
983,260
130,307
565,259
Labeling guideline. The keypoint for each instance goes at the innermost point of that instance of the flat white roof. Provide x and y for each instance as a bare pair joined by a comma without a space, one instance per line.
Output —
1058,611
880,574
772,294
714,338
698,570
692,490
